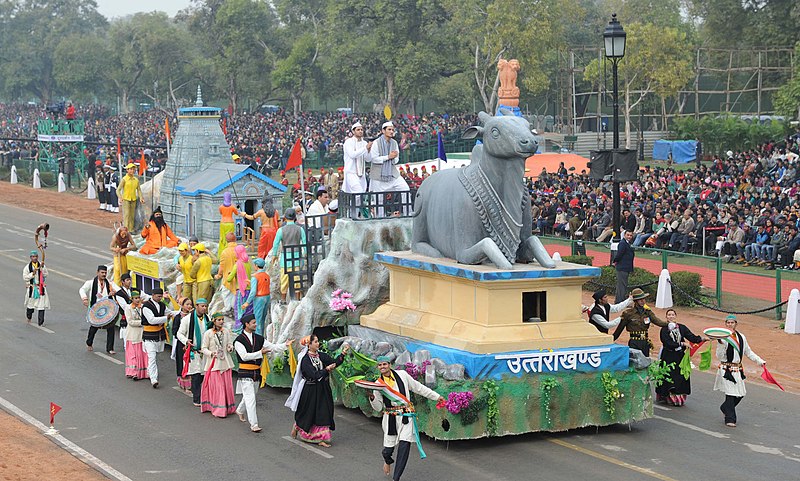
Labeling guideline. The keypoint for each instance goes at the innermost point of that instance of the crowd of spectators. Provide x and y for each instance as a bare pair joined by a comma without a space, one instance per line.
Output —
264,139
743,206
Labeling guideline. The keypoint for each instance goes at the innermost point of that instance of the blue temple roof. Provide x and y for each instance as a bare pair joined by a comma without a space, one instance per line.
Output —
219,176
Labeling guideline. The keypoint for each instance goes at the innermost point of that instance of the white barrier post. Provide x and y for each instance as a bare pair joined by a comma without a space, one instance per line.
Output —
62,185
664,293
792,324
14,178
90,192
37,181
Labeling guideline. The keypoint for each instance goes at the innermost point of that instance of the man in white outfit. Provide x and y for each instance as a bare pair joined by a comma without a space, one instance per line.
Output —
154,318
398,425
250,349
384,176
356,155
730,374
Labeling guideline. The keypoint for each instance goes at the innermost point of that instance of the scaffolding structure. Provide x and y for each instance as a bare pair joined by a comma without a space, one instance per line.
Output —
725,82
62,142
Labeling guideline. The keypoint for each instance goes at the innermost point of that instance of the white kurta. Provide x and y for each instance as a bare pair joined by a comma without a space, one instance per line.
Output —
724,385
196,364
42,302
405,432
355,151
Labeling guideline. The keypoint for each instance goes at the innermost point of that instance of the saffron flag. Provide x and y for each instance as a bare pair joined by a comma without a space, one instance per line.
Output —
166,128
440,152
292,361
54,409
767,376
142,164
225,126
119,150
296,157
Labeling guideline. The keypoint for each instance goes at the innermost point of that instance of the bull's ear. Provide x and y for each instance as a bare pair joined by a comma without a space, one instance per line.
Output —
483,117
474,132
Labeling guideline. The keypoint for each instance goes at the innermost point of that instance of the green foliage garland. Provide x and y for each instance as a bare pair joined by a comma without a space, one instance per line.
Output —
547,386
491,389
612,393
279,363
659,372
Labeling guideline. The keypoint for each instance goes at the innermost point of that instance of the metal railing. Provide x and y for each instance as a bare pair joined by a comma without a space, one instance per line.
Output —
376,205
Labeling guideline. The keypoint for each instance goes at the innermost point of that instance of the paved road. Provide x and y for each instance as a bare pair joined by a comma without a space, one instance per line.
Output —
151,434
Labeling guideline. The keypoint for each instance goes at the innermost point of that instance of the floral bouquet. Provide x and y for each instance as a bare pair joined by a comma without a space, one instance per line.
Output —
456,401
341,301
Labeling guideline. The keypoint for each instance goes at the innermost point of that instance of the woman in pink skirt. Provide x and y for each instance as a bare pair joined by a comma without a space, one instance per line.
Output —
216,395
135,358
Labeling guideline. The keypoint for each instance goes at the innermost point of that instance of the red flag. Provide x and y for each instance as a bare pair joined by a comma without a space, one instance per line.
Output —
54,409
119,150
142,164
296,157
694,347
767,376
225,126
166,128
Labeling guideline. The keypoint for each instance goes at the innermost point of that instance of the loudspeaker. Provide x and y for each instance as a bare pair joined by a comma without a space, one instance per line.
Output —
599,164
624,166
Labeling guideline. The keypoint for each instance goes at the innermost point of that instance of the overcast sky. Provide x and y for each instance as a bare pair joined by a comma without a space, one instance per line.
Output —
120,8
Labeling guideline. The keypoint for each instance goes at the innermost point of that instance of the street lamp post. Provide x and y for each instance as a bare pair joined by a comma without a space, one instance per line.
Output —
614,38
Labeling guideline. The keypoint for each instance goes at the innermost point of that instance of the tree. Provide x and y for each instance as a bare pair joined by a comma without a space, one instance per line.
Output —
656,61
31,33
787,98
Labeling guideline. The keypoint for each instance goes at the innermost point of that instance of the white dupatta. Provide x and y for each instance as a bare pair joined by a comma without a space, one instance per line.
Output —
297,384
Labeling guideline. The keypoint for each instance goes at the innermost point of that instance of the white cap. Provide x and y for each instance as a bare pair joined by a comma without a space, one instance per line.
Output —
388,123
355,126
334,205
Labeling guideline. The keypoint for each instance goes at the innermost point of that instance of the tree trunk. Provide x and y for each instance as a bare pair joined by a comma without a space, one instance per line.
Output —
124,101
295,104
390,91
627,113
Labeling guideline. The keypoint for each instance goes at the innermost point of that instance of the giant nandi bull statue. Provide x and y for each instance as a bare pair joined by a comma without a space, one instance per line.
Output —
483,210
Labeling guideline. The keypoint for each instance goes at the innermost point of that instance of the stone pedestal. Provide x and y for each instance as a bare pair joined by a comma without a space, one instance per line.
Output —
483,310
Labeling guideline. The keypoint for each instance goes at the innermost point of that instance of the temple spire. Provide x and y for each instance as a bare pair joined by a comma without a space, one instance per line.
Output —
199,101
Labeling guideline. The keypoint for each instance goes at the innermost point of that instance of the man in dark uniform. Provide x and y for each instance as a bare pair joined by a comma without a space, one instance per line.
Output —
637,319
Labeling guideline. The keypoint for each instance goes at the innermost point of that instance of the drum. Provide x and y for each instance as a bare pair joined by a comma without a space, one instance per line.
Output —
717,333
103,312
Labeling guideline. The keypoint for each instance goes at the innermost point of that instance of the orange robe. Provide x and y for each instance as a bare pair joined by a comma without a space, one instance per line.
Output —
268,231
155,239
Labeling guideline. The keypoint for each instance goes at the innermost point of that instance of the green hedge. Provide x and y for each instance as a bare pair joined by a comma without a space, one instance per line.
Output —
687,281
585,260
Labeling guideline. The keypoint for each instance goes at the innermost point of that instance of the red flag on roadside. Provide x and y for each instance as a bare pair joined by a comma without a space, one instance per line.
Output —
166,128
142,164
296,157
767,376
119,149
54,409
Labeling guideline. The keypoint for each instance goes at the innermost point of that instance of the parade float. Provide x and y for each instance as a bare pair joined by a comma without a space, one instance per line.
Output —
469,303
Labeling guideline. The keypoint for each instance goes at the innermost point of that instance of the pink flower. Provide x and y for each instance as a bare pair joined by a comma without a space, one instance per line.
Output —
346,295
336,293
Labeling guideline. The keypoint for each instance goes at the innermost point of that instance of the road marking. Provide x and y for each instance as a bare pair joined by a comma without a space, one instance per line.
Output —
694,428
80,453
10,250
109,358
310,448
178,388
661,407
42,328
609,459
68,276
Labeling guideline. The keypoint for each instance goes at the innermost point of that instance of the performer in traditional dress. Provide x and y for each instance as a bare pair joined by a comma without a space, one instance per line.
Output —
250,349
216,395
36,299
240,275
637,319
184,382
92,291
201,272
674,390
226,223
289,234
227,264
157,234
100,184
183,261
270,223
311,398
154,318
131,194
190,334
356,155
121,243
136,361
259,296
730,375
600,314
384,155
123,297
398,423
